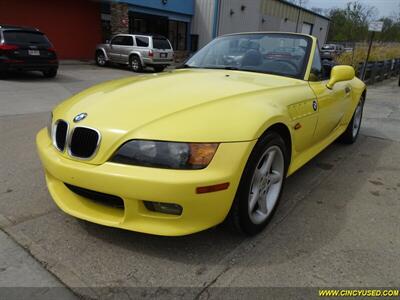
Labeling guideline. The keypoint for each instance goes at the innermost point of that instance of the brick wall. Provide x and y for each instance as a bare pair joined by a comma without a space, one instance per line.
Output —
119,18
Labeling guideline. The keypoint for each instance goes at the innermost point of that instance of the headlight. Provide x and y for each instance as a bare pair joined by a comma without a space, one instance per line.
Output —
50,124
165,154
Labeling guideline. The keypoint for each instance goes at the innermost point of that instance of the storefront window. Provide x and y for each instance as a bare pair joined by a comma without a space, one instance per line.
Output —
178,35
176,31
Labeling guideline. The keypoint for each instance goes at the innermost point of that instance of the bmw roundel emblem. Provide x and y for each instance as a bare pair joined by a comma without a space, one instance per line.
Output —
315,105
80,117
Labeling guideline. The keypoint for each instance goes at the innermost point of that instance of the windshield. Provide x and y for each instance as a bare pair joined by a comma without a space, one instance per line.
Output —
281,54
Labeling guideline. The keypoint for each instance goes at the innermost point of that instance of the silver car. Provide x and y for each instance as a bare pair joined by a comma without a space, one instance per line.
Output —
136,51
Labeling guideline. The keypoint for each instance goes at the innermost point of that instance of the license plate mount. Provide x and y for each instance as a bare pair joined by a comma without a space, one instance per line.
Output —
34,52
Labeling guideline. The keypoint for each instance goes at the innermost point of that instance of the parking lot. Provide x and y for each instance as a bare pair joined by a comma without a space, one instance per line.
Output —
338,223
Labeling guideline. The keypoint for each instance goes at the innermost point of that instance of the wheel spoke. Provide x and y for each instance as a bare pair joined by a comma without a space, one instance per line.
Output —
257,178
262,204
253,199
266,167
275,177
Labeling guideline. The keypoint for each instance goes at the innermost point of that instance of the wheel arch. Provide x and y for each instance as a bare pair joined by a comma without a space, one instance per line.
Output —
104,52
136,53
283,130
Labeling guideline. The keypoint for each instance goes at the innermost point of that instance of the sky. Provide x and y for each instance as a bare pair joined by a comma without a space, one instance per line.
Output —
385,7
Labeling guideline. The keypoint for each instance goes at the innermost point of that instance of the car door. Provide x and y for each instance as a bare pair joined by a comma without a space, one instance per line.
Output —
115,48
331,104
126,48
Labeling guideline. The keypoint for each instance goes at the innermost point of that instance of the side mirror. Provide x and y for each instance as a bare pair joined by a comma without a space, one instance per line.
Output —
340,73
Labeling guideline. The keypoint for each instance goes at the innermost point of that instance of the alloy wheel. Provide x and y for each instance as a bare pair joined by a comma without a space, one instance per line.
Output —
357,119
266,184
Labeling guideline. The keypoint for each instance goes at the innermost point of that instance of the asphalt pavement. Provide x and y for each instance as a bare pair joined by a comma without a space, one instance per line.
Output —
337,225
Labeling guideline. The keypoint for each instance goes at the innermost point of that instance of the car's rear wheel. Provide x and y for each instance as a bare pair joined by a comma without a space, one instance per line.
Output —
135,64
261,185
353,129
101,60
159,69
50,73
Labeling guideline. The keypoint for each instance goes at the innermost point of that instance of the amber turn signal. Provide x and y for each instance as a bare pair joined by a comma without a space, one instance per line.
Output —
212,188
201,154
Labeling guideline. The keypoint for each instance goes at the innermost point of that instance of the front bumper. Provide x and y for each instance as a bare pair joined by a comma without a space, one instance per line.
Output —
137,184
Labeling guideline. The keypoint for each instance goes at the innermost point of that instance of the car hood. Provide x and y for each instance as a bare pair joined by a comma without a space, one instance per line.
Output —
123,109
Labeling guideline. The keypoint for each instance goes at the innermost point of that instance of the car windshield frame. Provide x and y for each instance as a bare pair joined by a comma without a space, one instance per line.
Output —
302,67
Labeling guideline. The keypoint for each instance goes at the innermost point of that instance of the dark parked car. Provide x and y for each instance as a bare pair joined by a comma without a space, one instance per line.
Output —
26,49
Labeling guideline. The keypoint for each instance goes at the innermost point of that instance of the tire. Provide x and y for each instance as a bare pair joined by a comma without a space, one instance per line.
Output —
353,128
50,73
159,69
248,216
3,75
135,64
101,60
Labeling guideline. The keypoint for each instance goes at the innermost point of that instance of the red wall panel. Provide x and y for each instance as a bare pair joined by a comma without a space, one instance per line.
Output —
73,26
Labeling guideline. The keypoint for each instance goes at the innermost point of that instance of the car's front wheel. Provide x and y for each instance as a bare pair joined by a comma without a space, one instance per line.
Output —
353,129
261,185
101,60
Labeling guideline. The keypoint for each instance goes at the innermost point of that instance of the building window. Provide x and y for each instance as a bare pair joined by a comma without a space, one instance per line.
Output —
178,34
148,24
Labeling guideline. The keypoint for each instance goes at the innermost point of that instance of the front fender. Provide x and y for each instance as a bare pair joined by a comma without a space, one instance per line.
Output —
358,88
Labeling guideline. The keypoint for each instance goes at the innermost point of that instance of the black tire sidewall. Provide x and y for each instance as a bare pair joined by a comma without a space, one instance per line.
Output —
240,206
354,138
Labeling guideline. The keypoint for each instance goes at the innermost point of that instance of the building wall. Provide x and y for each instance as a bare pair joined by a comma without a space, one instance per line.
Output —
274,10
74,27
176,6
232,18
204,21
258,15
321,28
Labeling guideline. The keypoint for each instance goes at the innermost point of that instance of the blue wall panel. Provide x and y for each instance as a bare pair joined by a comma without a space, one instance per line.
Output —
177,6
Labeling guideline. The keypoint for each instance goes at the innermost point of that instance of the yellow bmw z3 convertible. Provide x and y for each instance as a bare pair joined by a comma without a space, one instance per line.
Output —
182,151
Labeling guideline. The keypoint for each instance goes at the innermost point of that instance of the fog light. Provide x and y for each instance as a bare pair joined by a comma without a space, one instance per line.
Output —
165,208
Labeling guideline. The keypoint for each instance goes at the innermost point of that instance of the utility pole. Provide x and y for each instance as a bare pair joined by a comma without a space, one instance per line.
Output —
298,16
